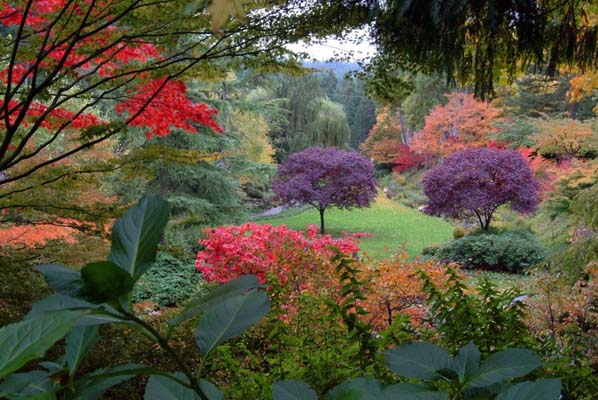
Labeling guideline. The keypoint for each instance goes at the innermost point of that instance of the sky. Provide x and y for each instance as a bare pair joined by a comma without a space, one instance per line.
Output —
355,45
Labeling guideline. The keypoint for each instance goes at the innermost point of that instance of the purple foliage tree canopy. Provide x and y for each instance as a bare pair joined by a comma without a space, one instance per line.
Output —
478,181
323,177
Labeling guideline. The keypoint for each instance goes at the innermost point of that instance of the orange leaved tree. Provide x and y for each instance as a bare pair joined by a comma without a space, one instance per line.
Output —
462,123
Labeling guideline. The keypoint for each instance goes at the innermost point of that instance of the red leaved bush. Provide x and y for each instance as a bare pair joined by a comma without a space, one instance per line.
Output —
266,250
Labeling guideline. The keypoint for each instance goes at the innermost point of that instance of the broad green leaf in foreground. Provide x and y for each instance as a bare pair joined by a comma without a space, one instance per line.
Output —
356,389
32,385
505,365
62,279
542,389
135,236
230,289
292,390
104,281
93,385
417,360
230,318
164,388
467,361
30,339
60,302
78,343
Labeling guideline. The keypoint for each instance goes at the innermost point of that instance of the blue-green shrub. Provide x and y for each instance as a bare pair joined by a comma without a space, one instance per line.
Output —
512,251
169,282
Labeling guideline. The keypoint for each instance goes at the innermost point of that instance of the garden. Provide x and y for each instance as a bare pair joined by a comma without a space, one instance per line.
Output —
191,208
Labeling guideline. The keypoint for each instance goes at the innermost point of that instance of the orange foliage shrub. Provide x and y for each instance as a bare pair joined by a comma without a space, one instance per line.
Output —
384,141
32,236
394,287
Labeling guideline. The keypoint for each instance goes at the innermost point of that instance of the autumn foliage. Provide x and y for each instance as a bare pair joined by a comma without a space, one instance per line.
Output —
475,182
304,263
464,122
266,250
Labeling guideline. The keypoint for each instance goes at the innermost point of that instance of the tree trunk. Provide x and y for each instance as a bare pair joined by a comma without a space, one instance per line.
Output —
322,221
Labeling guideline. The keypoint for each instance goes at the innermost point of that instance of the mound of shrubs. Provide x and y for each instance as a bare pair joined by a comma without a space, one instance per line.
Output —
169,282
507,251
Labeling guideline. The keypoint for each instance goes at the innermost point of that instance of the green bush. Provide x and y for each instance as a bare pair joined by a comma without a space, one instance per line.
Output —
169,282
512,251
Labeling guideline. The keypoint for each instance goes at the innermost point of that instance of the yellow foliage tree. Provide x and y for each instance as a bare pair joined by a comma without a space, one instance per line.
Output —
254,145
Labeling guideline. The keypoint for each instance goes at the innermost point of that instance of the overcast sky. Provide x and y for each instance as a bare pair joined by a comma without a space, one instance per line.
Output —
356,45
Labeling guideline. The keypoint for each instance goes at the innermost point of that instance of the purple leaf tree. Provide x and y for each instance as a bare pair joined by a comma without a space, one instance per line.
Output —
478,181
323,177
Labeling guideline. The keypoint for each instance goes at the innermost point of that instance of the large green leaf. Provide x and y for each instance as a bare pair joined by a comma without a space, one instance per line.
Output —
211,390
61,302
104,281
33,385
504,365
417,360
29,339
230,318
413,391
135,236
292,390
230,289
542,389
467,361
163,388
62,279
93,385
78,343
357,389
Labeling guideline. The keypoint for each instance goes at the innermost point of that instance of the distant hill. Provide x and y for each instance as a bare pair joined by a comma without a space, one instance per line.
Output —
340,69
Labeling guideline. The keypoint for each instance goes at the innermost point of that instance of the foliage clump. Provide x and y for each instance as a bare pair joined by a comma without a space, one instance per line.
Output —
266,251
475,182
324,177
169,282
510,251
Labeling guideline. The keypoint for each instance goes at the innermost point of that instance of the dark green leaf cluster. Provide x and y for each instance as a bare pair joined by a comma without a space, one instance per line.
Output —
491,318
465,376
510,251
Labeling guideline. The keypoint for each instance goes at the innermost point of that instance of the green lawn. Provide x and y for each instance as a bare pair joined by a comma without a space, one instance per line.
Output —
394,227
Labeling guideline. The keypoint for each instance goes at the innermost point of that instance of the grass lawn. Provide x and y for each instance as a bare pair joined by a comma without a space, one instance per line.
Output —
394,226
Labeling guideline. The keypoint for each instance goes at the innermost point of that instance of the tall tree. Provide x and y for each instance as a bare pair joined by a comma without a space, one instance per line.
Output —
311,118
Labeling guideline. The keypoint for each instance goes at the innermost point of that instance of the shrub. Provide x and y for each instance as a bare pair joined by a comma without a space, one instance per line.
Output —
482,314
168,283
512,251
459,232
394,289
266,250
